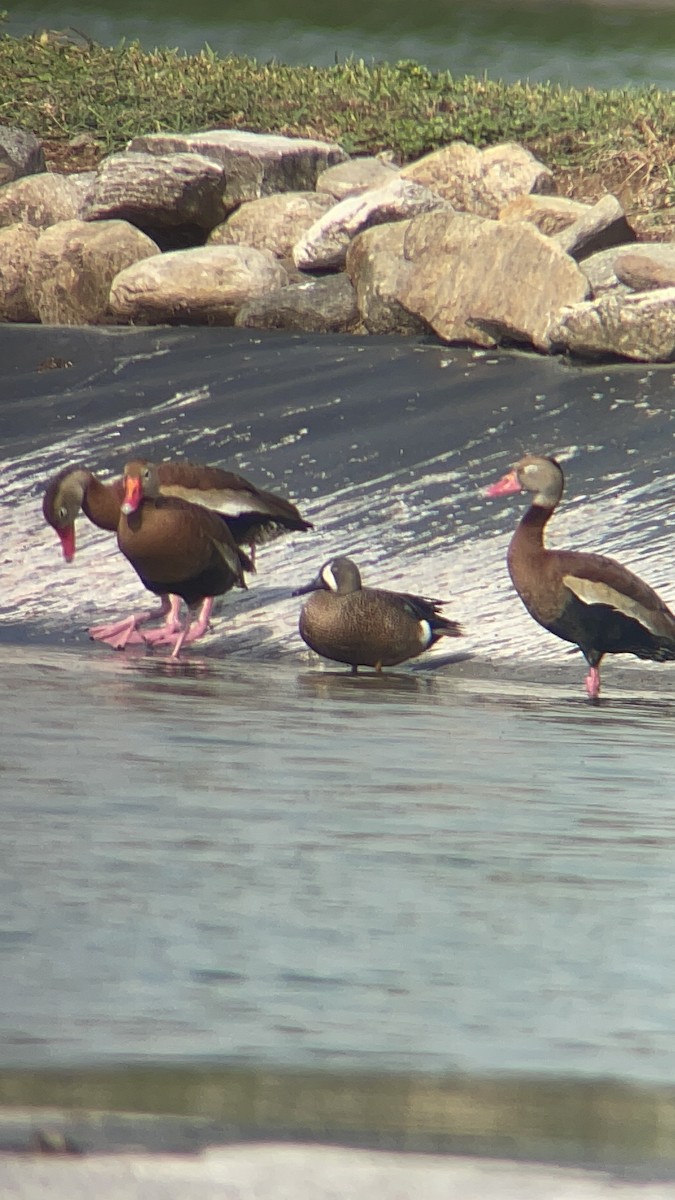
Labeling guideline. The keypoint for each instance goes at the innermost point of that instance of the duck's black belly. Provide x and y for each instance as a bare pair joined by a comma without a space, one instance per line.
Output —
599,629
212,581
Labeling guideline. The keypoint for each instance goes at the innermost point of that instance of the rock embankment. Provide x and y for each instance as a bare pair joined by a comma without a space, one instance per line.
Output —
224,227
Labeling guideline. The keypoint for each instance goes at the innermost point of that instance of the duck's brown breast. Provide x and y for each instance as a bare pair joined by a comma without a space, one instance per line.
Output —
170,542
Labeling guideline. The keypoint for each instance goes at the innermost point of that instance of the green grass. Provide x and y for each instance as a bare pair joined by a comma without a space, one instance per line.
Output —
59,90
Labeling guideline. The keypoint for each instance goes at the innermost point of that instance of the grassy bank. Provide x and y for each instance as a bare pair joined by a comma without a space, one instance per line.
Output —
619,141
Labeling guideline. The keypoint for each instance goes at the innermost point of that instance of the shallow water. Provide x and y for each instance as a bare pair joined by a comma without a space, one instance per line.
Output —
272,865
251,858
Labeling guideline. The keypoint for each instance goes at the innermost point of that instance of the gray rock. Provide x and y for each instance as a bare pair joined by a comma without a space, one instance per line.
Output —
603,225
273,223
325,305
378,269
204,286
325,243
43,200
355,176
73,265
256,164
17,244
481,181
649,265
20,154
599,270
639,326
158,191
482,281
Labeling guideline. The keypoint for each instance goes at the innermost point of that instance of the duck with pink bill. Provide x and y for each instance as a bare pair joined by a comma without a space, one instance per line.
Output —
581,597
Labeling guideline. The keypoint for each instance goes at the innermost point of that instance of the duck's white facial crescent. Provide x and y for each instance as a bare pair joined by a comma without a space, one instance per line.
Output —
328,577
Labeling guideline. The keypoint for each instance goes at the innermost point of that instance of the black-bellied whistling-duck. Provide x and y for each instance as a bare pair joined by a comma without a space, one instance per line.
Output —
177,548
584,598
367,627
253,516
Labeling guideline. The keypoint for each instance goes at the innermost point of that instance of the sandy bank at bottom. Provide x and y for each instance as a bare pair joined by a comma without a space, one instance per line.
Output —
296,1172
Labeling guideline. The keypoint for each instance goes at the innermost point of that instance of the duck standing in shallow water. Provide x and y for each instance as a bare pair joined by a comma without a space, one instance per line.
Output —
367,627
253,517
584,598
178,548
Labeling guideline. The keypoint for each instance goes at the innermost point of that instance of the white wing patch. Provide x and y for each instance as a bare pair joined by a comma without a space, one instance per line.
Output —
591,591
227,502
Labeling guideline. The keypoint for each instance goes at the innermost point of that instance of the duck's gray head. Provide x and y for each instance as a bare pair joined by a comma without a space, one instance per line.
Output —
61,504
534,473
339,575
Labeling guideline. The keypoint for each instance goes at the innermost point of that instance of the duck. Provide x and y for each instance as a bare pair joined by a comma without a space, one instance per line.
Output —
367,627
177,548
584,598
253,516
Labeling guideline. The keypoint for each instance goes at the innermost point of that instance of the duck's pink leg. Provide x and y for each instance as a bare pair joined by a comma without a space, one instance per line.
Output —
195,629
120,634
592,682
171,627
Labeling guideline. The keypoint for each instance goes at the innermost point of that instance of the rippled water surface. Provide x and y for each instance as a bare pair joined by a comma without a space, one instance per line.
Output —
253,857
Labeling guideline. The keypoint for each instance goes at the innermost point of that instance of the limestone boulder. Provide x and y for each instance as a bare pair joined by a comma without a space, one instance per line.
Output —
550,214
355,176
326,242
17,244
481,281
73,265
255,164
158,191
639,326
602,225
325,305
20,154
649,265
273,223
481,181
43,200
378,268
206,285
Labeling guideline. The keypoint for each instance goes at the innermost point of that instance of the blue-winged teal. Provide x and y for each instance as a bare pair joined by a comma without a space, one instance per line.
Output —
252,515
367,627
582,598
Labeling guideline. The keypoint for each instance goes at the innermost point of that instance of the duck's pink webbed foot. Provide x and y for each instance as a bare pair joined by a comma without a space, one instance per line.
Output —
120,634
192,631
592,682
